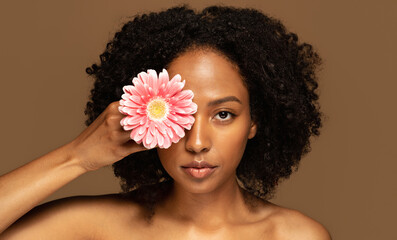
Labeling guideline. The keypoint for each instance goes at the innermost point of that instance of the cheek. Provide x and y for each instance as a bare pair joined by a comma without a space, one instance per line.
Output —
168,155
231,143
165,154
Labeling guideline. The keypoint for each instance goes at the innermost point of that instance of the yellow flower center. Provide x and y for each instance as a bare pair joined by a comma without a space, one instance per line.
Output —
157,109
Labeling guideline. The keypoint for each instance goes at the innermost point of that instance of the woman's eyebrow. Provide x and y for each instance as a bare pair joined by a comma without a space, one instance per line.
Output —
222,100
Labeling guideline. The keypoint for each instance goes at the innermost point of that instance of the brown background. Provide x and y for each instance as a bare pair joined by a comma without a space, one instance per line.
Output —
347,182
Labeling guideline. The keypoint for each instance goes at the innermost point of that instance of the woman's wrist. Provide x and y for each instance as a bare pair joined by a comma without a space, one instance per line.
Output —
75,160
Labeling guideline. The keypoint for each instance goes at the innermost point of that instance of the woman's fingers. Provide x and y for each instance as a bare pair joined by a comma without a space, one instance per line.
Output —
105,141
113,119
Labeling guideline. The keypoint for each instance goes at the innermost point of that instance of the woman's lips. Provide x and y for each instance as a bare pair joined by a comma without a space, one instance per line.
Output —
199,172
199,169
198,164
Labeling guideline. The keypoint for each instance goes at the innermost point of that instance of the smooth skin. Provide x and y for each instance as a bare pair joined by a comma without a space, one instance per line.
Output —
209,208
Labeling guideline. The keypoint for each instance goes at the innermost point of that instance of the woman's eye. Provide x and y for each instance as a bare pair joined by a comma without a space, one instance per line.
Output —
224,115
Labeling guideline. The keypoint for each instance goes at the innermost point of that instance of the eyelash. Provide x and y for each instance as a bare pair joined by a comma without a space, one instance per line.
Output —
232,115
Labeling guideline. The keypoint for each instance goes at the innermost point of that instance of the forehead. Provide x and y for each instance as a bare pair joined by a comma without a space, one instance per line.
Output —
209,75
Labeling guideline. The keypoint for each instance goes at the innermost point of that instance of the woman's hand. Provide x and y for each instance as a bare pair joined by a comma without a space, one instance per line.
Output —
104,141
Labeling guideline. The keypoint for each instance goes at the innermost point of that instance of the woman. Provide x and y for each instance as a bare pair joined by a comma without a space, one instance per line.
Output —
254,86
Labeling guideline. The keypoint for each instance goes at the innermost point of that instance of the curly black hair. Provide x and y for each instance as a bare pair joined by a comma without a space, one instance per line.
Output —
278,71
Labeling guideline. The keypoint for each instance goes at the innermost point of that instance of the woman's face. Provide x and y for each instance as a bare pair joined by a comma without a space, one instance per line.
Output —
222,123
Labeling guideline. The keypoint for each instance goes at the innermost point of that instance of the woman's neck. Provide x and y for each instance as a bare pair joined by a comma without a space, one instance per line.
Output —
210,210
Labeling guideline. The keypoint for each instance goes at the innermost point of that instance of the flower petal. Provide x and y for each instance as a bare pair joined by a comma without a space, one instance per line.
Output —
122,109
172,117
123,121
160,139
128,127
141,90
162,90
137,80
191,119
125,96
148,138
152,127
175,138
143,77
153,80
163,77
161,127
143,128
132,120
167,142
172,84
182,95
182,119
169,132
136,99
154,142
143,120
178,130
128,103
131,111
185,110
129,89
149,93
176,78
176,88
152,91
134,133
183,103
141,111
138,138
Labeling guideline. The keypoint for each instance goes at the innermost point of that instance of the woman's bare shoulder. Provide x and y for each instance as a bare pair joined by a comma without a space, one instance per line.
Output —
76,217
288,223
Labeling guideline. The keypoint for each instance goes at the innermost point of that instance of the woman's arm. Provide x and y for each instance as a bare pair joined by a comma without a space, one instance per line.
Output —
25,187
102,143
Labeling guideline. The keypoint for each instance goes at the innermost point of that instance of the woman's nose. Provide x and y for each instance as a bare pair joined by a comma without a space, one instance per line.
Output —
197,138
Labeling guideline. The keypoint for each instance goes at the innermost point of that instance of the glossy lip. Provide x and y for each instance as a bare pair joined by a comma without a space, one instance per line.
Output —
199,169
198,164
199,173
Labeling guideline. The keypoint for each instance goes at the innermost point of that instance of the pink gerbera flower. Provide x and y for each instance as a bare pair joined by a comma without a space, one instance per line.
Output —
157,109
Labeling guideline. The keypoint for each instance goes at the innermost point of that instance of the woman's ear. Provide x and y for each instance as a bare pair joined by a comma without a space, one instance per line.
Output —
253,129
